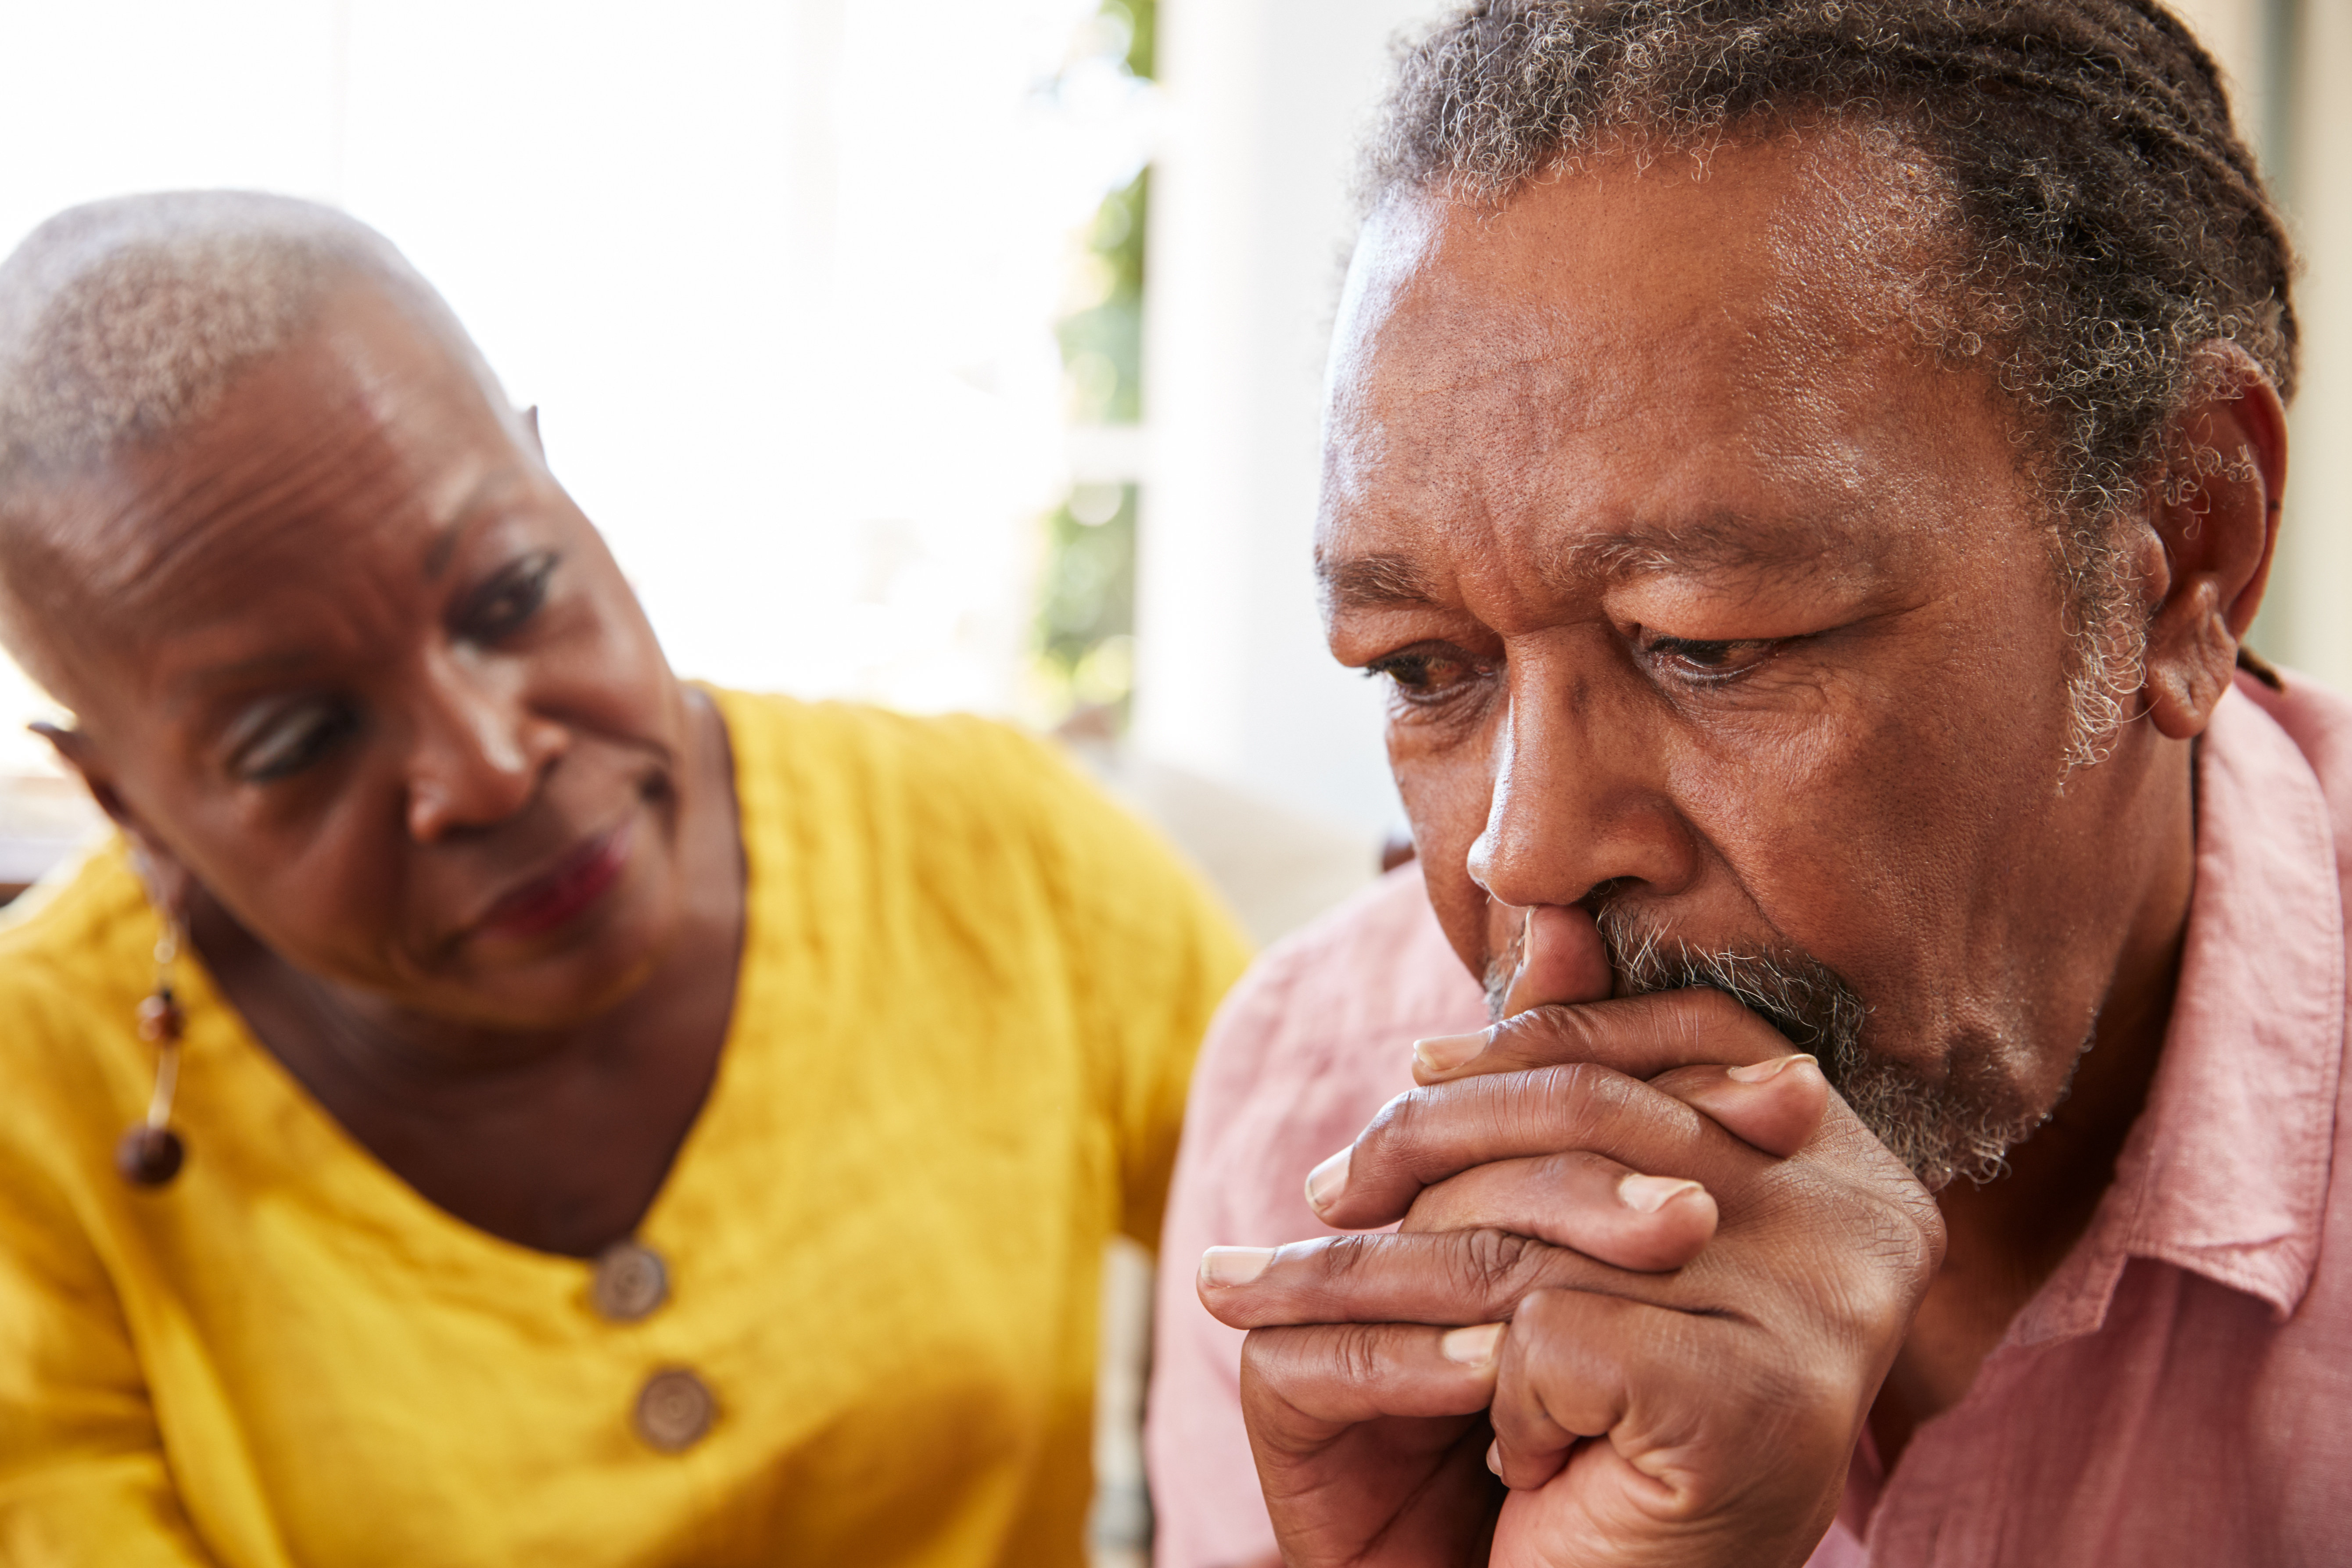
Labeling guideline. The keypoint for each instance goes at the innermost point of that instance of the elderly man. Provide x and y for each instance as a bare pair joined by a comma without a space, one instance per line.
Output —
1805,470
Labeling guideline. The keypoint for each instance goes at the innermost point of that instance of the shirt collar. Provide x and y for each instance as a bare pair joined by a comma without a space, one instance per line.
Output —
2225,1173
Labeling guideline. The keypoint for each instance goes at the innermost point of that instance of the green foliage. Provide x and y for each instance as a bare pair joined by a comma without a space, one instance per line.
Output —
1085,615
1102,346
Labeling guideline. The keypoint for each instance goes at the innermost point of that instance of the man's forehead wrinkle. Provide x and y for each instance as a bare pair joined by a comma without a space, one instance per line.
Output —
1581,390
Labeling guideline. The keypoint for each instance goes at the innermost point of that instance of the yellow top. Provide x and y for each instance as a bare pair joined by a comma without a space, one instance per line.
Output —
969,998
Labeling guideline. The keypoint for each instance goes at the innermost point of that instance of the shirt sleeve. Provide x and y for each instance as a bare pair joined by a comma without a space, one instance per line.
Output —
1154,952
1307,1050
1204,1488
1206,952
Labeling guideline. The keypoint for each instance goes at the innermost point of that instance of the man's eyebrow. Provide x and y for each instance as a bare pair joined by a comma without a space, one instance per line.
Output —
1718,544
1368,581
1385,579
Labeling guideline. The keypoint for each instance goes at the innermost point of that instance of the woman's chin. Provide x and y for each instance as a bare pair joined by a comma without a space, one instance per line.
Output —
559,979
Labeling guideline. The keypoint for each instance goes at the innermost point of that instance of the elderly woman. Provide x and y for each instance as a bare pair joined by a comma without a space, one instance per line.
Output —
495,1104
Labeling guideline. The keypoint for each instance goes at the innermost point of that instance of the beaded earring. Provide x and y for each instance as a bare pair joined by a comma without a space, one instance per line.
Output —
151,1153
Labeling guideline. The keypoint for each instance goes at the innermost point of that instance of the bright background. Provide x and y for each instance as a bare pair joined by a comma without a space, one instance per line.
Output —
782,277
853,326
785,279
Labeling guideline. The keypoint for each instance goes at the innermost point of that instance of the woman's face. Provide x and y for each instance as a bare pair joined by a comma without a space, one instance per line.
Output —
346,655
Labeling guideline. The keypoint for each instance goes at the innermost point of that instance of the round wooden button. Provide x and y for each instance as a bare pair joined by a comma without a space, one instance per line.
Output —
630,1281
674,1410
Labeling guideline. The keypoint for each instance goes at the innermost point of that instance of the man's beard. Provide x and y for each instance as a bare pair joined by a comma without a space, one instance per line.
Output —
1963,1126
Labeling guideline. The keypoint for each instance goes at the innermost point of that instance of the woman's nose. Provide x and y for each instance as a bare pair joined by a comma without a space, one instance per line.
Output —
478,753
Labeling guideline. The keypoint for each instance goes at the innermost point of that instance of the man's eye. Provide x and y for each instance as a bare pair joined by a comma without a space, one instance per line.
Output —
1704,662
1425,675
508,601
291,739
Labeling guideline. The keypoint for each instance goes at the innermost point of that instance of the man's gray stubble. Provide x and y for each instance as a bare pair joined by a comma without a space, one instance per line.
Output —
1941,1130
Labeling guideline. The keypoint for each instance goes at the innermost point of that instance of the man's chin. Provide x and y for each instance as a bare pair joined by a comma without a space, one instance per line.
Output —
1963,1126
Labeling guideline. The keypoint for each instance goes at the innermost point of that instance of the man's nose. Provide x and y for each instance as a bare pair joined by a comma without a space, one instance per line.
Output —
478,752
1578,800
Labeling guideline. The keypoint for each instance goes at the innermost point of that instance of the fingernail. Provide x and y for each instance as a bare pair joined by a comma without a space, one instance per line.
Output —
1494,1456
1445,1052
1324,1182
1760,1072
1471,1346
1650,1194
1233,1265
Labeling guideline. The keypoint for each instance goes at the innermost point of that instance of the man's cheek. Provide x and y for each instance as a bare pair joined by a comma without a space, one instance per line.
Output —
1445,801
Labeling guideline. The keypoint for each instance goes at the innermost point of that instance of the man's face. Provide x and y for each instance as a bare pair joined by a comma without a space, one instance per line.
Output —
346,654
1706,605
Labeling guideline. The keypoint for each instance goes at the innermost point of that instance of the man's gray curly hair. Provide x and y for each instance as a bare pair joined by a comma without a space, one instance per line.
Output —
2108,223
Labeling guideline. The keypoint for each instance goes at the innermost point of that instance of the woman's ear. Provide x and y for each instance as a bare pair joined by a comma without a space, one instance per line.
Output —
2216,514
168,881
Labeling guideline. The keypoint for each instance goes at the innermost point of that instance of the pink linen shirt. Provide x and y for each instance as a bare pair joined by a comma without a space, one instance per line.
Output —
2179,1391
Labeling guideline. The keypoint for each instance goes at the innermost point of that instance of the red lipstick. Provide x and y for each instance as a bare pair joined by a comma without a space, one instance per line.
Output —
564,892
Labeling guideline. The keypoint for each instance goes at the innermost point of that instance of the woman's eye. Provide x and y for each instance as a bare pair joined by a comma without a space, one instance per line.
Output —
1425,675
1708,660
290,740
509,599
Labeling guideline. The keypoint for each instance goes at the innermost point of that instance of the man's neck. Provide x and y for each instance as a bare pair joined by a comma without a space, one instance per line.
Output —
2007,1238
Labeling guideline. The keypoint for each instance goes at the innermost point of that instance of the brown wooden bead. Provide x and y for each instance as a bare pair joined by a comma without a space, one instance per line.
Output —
160,1019
674,1410
150,1157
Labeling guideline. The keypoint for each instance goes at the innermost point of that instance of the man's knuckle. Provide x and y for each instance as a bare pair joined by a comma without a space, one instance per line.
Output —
1911,1249
1391,1123
1397,1141
1871,1298
1356,1354
1543,1313
1269,1355
1578,1098
1700,1016
1347,1255
1497,1265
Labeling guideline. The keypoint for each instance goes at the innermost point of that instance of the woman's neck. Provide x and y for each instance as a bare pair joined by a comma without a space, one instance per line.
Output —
558,1139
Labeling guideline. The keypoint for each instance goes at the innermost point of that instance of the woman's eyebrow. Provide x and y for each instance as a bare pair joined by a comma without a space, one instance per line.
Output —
483,500
206,694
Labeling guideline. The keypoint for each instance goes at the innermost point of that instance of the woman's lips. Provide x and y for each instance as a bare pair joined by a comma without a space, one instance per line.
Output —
546,902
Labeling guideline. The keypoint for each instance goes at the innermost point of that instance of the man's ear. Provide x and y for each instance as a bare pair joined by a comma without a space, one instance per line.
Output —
2216,513
168,881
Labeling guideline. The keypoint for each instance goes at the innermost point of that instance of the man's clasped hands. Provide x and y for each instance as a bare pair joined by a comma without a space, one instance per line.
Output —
1650,1272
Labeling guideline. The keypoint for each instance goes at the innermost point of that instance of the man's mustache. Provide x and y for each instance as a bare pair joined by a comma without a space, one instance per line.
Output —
1941,1129
1791,989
